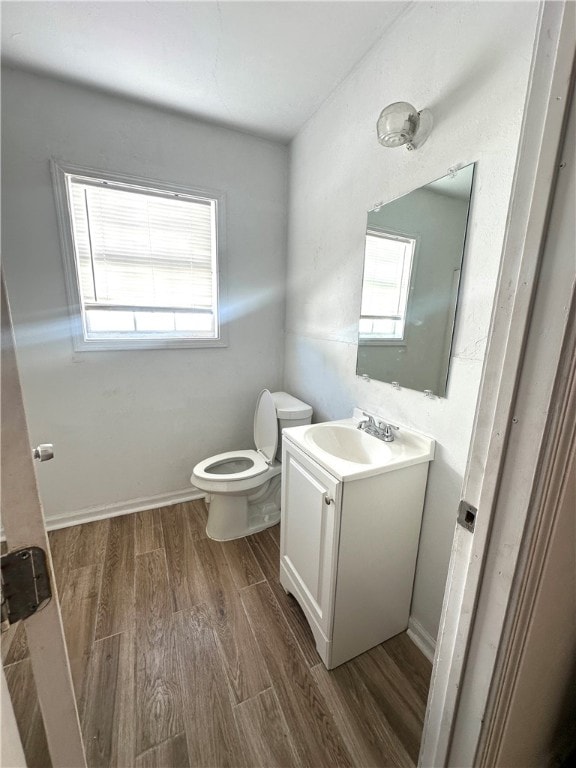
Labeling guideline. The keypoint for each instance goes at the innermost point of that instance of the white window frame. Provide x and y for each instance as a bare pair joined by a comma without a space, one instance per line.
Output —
60,171
377,340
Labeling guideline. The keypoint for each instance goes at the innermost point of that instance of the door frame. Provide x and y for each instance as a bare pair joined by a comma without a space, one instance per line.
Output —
468,639
527,625
23,522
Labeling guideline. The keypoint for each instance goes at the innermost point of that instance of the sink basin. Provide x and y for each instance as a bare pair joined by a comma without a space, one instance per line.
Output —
349,453
341,441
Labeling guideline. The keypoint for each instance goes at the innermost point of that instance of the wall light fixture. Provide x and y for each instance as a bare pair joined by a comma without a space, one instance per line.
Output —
400,123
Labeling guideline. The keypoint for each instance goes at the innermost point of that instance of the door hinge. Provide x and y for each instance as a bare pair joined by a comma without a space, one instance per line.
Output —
25,584
467,516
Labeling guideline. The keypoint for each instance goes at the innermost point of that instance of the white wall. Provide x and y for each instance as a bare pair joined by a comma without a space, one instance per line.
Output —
468,63
129,425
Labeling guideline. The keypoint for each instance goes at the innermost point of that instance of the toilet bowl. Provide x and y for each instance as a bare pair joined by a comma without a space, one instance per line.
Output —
243,487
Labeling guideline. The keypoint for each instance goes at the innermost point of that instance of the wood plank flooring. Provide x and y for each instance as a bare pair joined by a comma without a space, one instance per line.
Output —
187,653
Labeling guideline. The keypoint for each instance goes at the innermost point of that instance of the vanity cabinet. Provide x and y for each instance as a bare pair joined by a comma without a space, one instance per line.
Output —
348,551
310,529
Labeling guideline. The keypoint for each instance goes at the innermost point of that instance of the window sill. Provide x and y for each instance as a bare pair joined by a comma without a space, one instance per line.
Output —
382,343
132,345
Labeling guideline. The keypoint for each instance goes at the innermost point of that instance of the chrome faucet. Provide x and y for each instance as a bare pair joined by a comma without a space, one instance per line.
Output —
369,425
382,430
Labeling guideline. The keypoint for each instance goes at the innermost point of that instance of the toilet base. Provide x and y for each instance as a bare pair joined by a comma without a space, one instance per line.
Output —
232,517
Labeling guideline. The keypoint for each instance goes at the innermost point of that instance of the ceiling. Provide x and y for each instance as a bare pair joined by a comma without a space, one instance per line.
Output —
262,67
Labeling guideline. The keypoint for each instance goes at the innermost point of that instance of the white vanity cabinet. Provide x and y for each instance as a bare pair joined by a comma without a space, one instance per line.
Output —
348,550
309,534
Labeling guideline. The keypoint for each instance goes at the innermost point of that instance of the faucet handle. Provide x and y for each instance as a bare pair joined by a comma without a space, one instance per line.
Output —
386,431
371,422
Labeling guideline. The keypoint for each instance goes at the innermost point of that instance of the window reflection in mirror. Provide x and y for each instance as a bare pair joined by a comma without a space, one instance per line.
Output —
413,257
387,267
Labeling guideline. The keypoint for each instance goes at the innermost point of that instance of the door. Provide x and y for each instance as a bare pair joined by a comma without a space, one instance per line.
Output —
11,752
515,395
23,524
309,533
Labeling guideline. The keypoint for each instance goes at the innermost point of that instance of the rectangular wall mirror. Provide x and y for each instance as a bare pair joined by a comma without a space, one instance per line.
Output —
412,264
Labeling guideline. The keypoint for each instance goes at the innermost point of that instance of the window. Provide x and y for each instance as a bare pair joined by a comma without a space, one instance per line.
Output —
142,261
387,268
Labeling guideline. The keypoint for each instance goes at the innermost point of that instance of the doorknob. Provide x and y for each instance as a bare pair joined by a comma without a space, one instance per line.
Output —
43,452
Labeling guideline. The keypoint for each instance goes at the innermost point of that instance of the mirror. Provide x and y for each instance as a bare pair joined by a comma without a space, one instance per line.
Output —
412,263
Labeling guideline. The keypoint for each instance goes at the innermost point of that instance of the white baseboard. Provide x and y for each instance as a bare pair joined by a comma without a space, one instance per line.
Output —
420,637
89,514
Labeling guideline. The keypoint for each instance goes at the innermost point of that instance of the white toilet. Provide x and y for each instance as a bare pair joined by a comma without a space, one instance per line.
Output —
243,487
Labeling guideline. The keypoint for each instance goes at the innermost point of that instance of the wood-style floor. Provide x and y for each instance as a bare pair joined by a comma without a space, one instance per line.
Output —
187,652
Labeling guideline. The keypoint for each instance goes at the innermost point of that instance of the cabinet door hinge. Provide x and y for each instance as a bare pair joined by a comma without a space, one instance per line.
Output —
25,584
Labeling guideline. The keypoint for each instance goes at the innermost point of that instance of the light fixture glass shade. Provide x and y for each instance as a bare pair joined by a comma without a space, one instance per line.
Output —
400,123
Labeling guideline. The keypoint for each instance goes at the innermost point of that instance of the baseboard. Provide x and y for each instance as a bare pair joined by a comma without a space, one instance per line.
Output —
421,638
89,514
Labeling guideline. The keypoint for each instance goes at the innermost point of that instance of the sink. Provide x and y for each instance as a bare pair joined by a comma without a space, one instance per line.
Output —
349,453
347,443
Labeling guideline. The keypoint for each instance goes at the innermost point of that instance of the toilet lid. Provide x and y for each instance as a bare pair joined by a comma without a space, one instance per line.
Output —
266,426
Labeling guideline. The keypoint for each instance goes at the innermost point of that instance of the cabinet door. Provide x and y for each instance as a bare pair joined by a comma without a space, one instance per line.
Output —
309,533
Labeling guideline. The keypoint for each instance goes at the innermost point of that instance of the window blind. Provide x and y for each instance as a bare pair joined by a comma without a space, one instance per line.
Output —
141,249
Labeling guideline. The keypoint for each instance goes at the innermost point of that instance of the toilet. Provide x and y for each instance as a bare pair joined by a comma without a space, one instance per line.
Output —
243,487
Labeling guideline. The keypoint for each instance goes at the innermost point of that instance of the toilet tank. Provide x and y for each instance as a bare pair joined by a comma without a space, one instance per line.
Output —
290,412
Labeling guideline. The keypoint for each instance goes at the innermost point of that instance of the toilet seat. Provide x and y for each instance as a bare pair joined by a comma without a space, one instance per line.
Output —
236,483
259,465
263,465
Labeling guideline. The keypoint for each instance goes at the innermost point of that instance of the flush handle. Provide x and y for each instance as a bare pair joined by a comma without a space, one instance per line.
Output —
328,500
